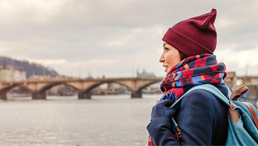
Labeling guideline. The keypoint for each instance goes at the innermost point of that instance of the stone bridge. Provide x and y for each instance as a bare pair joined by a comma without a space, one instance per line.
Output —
83,86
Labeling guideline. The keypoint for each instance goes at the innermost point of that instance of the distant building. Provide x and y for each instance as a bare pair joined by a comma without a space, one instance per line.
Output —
89,76
10,74
144,74
231,80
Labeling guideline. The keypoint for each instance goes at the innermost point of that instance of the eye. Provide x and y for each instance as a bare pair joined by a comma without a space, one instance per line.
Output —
166,48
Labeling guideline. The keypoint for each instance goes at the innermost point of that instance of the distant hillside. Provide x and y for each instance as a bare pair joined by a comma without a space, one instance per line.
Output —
28,67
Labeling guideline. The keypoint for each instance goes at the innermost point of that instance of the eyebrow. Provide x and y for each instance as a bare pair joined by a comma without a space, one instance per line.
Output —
164,44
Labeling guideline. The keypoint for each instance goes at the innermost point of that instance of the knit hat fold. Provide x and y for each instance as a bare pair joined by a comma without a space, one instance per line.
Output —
194,36
206,21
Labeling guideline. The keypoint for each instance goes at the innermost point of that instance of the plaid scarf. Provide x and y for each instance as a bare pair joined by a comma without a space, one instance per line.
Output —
193,70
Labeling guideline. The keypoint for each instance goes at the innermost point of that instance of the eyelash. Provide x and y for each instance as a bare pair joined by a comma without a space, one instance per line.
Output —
166,48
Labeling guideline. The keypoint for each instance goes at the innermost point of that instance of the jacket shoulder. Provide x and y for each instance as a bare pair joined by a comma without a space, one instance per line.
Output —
204,101
199,96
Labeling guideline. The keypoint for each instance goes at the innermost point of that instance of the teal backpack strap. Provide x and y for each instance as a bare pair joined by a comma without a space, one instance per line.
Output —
207,87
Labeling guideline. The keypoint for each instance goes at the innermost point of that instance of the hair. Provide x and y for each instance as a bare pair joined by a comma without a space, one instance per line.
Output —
182,55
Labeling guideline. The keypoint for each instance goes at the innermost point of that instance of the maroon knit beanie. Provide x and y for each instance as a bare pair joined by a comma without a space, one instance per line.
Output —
194,36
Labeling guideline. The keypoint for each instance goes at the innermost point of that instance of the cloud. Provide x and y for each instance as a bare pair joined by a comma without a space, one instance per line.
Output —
114,37
123,39
244,58
239,61
224,23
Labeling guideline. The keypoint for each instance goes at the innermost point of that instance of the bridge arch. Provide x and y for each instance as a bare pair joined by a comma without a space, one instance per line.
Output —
49,86
3,91
41,93
138,92
86,93
98,84
146,85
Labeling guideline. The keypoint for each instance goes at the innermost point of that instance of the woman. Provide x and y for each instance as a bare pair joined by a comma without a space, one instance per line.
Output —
189,61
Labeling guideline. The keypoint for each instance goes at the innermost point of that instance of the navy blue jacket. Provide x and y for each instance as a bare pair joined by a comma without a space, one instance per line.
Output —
202,118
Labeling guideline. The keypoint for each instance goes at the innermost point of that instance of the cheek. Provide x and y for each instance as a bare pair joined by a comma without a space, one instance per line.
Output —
172,59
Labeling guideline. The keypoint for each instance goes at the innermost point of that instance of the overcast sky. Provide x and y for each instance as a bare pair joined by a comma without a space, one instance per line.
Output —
116,37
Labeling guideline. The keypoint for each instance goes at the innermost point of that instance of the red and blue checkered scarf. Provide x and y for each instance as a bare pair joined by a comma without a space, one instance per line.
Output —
193,70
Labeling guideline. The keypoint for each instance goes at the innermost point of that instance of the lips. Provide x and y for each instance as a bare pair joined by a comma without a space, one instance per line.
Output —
166,67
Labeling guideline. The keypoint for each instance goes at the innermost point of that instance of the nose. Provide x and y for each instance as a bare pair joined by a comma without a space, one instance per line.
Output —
162,58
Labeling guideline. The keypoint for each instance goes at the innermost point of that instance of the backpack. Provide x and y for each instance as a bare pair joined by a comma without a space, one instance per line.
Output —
242,116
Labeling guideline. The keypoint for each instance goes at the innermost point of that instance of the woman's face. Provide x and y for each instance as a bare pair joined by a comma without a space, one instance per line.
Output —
170,57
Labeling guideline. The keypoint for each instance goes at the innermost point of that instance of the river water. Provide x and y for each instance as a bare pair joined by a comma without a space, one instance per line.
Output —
113,120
